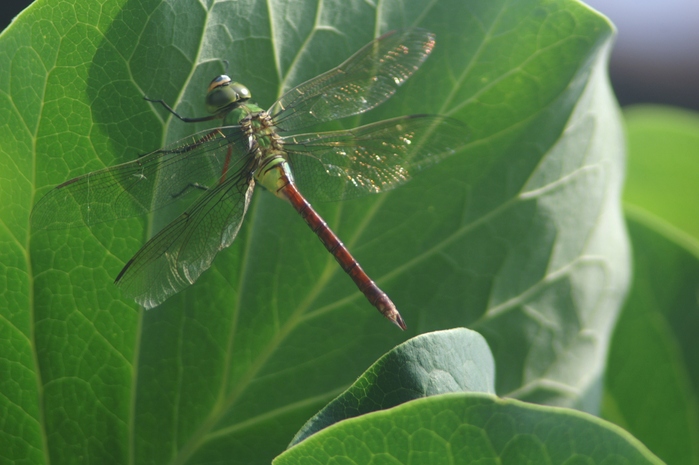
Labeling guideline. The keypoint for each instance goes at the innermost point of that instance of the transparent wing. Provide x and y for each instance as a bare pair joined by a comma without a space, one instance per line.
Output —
145,184
373,158
365,80
175,257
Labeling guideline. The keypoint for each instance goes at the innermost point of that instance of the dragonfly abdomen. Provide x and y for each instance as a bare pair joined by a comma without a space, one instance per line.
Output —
332,243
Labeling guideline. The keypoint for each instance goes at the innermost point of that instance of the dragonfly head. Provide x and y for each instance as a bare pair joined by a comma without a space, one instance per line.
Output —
223,94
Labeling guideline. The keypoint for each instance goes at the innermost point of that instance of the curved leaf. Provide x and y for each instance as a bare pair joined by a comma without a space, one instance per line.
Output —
471,429
457,360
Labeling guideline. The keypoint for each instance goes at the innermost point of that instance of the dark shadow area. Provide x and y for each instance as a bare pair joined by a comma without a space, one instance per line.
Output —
9,9
641,79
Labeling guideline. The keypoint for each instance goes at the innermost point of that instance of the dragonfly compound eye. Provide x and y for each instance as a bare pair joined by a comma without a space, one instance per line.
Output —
241,90
219,81
223,93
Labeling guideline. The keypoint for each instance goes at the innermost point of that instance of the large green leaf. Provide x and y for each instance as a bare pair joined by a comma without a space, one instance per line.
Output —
652,386
518,236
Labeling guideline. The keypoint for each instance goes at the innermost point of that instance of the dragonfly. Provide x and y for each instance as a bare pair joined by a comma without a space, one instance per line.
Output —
220,168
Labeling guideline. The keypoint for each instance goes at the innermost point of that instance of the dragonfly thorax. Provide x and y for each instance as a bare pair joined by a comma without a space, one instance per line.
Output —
270,167
223,95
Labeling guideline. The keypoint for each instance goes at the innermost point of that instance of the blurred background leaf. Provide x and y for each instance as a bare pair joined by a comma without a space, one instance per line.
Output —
653,373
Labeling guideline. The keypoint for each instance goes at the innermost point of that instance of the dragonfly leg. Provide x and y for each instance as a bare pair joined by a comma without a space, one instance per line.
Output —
183,118
226,164
192,146
193,185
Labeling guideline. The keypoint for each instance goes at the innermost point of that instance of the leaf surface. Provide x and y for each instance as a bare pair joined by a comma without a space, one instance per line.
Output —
471,429
519,236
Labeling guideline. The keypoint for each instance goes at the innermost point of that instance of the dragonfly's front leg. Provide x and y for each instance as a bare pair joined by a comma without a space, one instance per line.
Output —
183,118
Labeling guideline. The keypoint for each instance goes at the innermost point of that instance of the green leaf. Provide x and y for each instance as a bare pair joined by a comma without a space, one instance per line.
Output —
519,236
663,156
471,429
652,381
457,360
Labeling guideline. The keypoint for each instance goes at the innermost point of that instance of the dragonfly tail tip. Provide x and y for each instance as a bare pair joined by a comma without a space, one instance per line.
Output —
389,310
395,318
398,320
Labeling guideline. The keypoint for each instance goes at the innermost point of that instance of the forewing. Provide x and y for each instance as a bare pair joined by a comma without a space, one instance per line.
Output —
145,184
365,80
373,158
175,257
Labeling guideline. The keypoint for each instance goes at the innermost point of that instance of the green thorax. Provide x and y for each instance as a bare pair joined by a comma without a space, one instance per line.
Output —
257,123
266,145
236,115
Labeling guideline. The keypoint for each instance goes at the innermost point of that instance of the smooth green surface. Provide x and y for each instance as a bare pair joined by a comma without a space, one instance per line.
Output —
456,360
663,166
652,386
471,429
519,237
